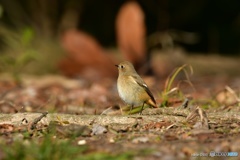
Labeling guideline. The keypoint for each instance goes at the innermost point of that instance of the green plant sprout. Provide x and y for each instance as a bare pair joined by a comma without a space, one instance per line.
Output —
19,54
169,90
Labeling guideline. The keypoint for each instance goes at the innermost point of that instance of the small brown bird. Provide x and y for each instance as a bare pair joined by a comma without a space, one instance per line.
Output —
131,87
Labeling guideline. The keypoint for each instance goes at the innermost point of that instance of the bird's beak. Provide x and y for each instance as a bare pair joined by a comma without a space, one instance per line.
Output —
116,65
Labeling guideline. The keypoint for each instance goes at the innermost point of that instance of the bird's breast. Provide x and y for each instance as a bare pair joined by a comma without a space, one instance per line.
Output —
129,90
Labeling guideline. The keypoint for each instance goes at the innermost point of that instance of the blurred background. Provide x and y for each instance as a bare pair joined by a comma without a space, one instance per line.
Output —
86,37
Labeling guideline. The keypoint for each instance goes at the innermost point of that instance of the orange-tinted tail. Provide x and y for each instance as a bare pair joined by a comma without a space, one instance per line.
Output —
152,103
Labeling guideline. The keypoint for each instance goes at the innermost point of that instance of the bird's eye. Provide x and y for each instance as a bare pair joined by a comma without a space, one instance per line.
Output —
121,66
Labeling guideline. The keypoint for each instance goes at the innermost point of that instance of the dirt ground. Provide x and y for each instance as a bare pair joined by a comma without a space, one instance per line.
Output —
91,115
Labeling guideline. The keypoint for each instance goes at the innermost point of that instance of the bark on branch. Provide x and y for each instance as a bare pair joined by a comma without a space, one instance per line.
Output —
149,115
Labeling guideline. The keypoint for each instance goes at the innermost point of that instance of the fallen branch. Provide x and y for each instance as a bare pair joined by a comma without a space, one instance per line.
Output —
149,115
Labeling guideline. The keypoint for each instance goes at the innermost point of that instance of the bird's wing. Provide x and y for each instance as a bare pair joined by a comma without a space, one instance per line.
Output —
140,82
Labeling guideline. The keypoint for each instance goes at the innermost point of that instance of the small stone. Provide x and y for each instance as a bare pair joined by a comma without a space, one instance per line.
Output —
98,129
111,140
82,142
140,140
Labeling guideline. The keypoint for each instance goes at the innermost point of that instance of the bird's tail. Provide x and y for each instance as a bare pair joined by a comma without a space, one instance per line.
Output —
152,103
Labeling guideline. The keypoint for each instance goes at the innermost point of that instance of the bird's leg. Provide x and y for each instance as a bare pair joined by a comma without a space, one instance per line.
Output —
131,109
142,109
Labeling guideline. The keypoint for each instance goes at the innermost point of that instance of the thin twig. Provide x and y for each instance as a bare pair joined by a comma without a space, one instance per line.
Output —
185,103
170,126
33,125
230,90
